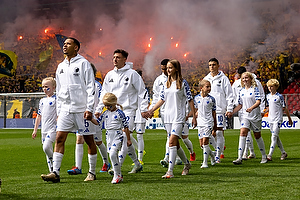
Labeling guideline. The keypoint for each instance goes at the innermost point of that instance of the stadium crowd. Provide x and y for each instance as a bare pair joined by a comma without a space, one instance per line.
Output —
267,66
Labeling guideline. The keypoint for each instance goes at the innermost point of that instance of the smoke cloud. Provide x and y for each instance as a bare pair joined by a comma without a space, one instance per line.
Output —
189,30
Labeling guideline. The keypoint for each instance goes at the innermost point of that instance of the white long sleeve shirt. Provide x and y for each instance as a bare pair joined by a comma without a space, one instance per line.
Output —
158,85
75,85
128,86
222,92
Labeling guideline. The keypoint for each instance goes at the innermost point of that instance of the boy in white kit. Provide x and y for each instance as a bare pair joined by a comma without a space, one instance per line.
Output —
206,120
47,115
275,107
115,123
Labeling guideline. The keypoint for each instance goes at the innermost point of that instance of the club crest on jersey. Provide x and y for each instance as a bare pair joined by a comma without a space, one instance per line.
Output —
76,71
126,81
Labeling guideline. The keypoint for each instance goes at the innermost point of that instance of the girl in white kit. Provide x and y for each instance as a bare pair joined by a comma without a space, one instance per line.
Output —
114,121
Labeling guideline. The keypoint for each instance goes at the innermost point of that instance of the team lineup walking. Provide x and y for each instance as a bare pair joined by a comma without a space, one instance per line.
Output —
121,105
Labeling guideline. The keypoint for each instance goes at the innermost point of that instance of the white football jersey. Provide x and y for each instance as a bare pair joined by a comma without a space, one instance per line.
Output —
275,103
175,102
205,106
47,110
115,120
247,98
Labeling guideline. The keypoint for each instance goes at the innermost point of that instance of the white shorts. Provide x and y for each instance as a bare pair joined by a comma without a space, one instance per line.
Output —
204,131
48,136
140,127
185,131
174,129
130,120
255,126
221,120
275,128
114,140
68,122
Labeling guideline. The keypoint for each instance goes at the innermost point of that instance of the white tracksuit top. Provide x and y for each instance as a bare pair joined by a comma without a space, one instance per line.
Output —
75,88
221,90
127,85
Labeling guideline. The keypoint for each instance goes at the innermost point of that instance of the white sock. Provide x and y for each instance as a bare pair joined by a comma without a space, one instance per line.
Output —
242,143
78,155
48,149
206,153
188,145
182,155
212,141
92,163
134,142
279,144
103,152
261,146
115,162
57,158
167,150
132,155
172,157
220,142
273,144
141,146
124,150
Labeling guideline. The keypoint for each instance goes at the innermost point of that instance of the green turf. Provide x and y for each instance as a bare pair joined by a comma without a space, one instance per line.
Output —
22,161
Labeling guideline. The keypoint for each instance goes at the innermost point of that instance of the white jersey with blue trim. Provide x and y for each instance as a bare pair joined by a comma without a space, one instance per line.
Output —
205,105
175,100
47,110
248,98
275,103
115,120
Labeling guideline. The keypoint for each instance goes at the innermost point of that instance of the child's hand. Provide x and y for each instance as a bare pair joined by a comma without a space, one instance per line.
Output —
249,110
33,135
290,122
129,143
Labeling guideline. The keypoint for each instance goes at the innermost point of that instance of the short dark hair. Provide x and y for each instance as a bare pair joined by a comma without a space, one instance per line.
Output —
213,60
164,61
241,70
123,52
75,41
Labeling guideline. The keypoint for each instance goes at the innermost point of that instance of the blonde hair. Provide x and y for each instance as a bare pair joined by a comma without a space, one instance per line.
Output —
273,82
249,74
111,99
202,83
179,78
51,79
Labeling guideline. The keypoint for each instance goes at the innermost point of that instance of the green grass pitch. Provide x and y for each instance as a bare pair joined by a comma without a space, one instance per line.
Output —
22,161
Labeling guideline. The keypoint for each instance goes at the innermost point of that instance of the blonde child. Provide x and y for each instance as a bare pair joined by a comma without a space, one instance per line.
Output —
206,120
275,107
47,115
249,101
114,121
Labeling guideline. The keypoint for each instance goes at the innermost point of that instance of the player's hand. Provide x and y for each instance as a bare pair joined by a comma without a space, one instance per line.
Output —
290,122
129,143
97,114
88,115
228,114
33,135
